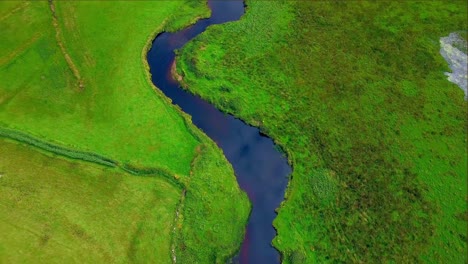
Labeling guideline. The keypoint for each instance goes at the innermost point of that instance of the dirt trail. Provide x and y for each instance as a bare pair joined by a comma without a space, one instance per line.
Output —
58,34
20,49
14,10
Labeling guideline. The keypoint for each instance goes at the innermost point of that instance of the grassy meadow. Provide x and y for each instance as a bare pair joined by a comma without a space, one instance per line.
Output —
115,113
56,210
355,92
75,92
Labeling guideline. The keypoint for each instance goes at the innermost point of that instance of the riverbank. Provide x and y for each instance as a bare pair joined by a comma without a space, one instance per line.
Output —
356,93
117,119
261,170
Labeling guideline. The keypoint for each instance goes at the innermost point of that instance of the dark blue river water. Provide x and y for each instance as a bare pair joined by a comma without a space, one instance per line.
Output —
261,171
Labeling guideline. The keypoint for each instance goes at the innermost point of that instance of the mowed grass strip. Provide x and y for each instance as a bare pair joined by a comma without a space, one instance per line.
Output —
56,210
355,92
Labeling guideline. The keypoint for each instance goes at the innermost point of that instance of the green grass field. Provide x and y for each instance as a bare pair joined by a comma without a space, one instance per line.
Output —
356,94
115,113
57,210
75,91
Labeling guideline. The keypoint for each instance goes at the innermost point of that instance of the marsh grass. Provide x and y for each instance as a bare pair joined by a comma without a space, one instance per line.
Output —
356,94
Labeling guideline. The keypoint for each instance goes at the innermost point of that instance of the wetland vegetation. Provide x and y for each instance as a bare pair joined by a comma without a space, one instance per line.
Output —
356,94
96,165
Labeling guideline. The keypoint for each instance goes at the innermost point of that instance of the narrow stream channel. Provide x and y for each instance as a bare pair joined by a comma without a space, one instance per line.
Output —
261,170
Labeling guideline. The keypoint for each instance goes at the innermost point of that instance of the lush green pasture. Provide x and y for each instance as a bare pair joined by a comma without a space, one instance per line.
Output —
355,92
74,82
116,113
54,209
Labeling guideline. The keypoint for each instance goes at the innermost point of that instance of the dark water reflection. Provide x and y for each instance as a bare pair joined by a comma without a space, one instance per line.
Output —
260,169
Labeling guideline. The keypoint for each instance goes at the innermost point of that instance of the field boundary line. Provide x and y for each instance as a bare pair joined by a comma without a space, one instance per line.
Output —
175,225
15,53
89,157
14,10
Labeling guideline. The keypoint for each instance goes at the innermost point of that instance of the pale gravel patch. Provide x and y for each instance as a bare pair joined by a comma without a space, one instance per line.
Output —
456,59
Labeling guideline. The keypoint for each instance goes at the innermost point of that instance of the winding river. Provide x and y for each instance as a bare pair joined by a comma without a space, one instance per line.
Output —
261,170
